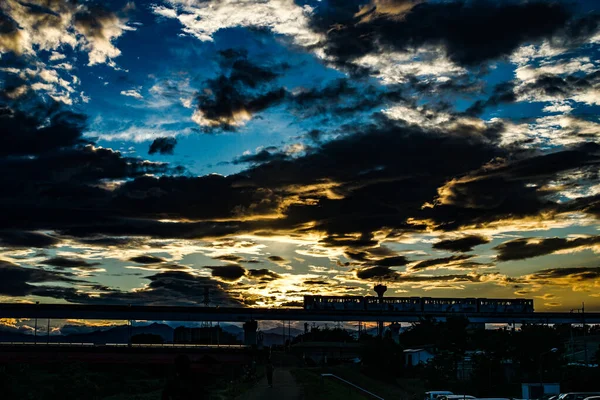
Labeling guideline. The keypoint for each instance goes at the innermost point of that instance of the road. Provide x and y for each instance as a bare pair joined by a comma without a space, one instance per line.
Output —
284,388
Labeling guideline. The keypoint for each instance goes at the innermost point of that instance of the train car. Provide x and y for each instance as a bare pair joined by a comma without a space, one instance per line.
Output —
334,303
393,303
418,304
440,304
505,305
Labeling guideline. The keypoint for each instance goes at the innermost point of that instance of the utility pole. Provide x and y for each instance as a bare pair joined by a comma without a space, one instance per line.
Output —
585,349
35,328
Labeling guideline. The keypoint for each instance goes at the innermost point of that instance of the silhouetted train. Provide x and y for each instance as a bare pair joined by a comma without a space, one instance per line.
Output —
417,304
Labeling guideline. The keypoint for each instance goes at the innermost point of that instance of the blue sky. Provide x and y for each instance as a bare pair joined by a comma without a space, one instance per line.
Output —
300,147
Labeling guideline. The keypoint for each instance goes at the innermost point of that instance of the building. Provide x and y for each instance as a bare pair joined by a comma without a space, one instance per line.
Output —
322,353
413,357
207,335
537,390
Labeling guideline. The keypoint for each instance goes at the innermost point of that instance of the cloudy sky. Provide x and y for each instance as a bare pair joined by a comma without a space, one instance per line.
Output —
269,149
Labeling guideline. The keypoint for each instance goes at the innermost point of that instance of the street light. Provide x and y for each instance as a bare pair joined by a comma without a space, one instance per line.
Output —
35,328
552,350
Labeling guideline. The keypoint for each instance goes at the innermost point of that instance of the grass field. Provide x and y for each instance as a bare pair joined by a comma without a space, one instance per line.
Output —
316,388
401,388
76,381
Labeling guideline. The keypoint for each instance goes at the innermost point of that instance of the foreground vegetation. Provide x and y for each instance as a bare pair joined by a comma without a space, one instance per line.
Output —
315,387
75,381
499,361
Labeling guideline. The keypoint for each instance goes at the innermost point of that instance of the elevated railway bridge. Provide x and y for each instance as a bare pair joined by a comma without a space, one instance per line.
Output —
239,314
250,316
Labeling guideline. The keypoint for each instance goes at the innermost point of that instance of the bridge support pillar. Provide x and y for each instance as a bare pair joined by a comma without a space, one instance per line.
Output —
476,326
380,329
395,329
250,333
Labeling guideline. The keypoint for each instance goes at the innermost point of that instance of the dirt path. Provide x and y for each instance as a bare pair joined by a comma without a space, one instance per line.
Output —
284,388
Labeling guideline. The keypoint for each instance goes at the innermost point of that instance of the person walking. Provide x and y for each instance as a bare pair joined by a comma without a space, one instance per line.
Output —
269,369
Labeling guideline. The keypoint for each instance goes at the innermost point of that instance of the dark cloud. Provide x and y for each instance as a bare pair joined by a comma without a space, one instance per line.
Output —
263,156
357,255
387,274
17,281
229,273
251,261
573,274
470,32
50,176
463,244
229,257
64,262
147,259
263,274
544,87
9,33
315,135
105,241
315,282
520,249
502,93
373,177
165,288
381,176
437,262
376,273
185,196
364,240
342,99
95,22
395,261
547,85
440,278
277,259
162,267
21,134
509,189
26,239
163,145
439,89
238,93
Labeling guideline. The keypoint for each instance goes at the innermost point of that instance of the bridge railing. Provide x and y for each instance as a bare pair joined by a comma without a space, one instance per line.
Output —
117,345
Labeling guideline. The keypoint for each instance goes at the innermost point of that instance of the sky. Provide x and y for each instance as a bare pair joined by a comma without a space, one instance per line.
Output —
276,148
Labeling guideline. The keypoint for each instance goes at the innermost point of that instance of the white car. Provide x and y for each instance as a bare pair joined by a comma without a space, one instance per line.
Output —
434,394
492,398
455,397
577,395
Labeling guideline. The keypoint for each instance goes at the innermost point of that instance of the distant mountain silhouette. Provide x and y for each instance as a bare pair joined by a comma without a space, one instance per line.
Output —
117,334
120,334
279,331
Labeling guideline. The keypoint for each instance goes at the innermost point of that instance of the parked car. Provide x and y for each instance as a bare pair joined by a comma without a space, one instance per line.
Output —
455,397
492,398
577,395
593,398
434,394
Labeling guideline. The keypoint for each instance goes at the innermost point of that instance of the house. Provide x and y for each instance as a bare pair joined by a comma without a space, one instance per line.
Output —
413,357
